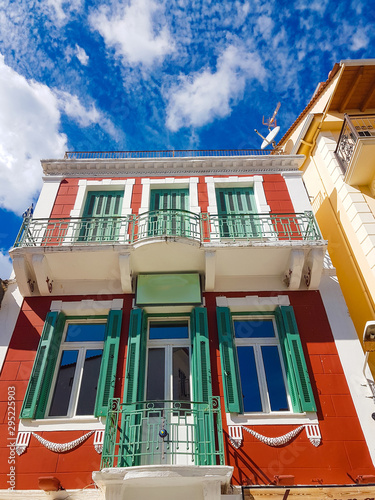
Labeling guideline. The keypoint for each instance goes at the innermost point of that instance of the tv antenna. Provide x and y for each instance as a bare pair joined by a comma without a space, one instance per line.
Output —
273,130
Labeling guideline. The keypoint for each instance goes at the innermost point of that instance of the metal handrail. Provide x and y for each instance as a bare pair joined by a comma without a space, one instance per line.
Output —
163,432
159,224
168,153
354,128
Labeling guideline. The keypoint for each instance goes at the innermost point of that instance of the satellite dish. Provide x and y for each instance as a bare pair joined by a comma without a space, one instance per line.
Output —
270,137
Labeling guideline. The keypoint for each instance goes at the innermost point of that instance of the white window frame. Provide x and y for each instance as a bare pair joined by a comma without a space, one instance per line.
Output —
81,347
75,308
168,345
257,343
254,303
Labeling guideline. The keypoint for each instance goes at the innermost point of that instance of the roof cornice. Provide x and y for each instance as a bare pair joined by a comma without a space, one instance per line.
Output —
172,166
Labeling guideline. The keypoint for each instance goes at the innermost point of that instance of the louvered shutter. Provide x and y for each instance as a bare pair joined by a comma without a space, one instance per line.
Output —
229,365
295,364
107,376
136,356
34,404
202,386
201,367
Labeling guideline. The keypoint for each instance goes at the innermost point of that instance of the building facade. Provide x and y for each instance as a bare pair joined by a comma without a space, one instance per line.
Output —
180,334
336,133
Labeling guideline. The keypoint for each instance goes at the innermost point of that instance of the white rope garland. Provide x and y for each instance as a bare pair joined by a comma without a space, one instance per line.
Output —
270,441
62,447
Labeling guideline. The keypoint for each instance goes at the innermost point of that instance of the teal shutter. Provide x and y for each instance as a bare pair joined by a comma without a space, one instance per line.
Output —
200,359
236,207
202,386
107,376
34,404
295,364
136,358
229,365
134,390
101,216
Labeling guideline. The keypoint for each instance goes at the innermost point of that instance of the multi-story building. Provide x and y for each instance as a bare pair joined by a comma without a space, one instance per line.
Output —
178,336
336,133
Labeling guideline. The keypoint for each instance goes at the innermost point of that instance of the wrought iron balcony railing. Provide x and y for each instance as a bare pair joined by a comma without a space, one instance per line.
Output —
203,228
169,153
163,432
355,128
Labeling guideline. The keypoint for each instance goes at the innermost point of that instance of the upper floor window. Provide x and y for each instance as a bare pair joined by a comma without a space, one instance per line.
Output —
169,212
236,212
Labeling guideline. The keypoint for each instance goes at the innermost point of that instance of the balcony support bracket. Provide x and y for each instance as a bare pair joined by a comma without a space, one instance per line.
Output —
125,272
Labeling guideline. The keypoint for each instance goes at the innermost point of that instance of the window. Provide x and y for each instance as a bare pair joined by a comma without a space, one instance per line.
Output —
263,365
101,214
236,207
262,376
168,212
77,370
75,367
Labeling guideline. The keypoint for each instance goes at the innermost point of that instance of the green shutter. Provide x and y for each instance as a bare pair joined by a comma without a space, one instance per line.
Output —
229,364
202,387
107,376
295,364
200,362
34,404
136,357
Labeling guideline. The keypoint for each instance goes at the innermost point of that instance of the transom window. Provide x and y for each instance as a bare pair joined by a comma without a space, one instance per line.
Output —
262,374
77,370
168,361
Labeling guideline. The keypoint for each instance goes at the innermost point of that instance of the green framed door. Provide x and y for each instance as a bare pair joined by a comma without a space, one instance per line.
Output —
236,212
168,212
101,216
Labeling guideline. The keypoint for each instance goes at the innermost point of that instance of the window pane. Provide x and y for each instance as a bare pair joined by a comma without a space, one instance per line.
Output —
254,328
64,384
82,332
181,374
155,374
274,377
89,383
249,379
175,330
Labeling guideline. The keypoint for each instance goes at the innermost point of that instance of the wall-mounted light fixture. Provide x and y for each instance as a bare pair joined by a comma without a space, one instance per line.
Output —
49,483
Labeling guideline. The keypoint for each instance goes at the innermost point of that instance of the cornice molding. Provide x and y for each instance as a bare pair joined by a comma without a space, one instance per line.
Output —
173,167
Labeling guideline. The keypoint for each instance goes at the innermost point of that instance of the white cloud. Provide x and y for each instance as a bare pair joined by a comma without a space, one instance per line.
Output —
138,31
59,10
81,55
30,116
204,96
5,265
359,41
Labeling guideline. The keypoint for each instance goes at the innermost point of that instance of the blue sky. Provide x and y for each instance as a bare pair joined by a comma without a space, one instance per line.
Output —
147,74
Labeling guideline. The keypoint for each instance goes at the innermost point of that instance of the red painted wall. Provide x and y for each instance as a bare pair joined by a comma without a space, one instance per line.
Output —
339,459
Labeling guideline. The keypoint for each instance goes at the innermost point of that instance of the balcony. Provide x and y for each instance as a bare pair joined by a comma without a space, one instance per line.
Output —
356,149
163,433
81,255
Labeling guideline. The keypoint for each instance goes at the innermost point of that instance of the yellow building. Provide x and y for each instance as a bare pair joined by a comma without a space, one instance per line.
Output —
336,133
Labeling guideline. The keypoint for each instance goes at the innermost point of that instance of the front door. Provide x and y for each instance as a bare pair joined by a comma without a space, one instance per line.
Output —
168,424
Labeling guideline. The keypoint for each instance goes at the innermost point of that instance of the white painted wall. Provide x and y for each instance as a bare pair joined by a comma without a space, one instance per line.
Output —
9,311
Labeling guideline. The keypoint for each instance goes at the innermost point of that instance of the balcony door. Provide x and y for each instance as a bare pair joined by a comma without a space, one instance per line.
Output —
236,213
168,212
100,220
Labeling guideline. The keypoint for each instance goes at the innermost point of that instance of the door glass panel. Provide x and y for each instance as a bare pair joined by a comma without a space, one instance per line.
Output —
156,375
253,329
89,383
181,374
64,384
169,330
249,379
275,379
